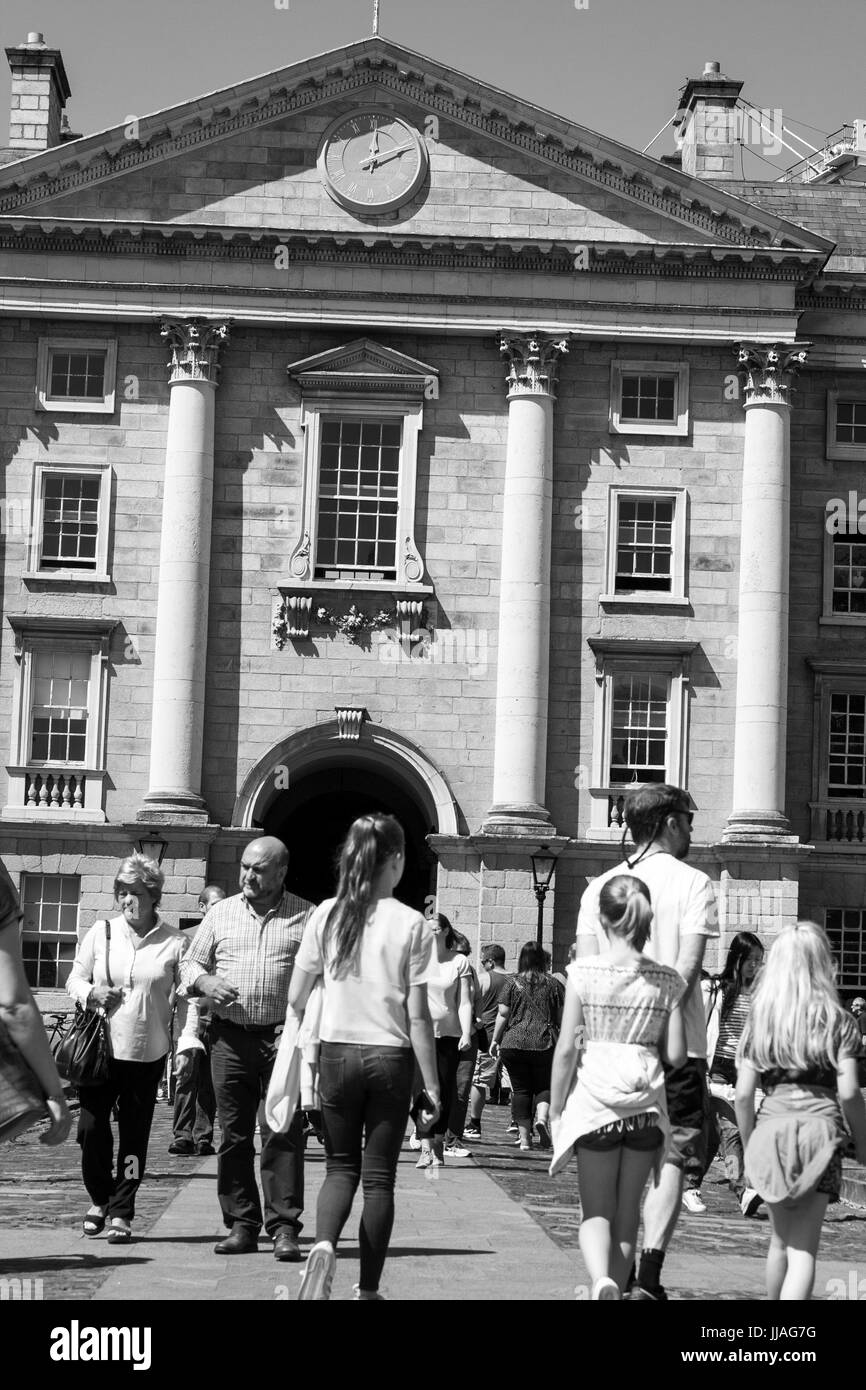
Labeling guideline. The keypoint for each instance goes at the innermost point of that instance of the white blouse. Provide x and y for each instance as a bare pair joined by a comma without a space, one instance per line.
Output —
147,970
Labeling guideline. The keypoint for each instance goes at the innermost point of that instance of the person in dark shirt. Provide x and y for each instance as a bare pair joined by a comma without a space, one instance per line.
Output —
493,980
527,1027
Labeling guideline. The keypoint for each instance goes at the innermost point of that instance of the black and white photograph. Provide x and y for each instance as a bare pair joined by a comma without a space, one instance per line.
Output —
432,672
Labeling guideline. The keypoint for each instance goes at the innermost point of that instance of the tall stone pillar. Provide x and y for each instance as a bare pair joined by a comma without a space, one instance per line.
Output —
520,752
184,575
762,646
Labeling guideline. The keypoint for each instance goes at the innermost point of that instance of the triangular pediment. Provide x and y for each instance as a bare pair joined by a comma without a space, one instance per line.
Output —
499,167
362,365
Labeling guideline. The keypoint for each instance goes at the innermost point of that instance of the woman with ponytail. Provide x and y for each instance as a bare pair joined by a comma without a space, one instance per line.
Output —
375,958
607,1104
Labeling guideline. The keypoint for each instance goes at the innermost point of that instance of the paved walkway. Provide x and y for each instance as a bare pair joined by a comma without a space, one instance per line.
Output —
496,1229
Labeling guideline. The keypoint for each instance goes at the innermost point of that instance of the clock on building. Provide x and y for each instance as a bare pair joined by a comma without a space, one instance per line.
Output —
372,161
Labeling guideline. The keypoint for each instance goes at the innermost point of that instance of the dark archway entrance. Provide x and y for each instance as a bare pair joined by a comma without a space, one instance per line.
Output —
312,818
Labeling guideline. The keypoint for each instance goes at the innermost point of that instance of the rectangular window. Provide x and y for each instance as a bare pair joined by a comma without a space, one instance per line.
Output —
849,576
644,545
639,728
846,425
76,374
50,929
851,422
359,479
844,926
649,398
70,521
846,775
59,708
69,525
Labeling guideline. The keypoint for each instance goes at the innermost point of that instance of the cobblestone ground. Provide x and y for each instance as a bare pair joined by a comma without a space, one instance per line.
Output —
554,1204
41,1194
41,1190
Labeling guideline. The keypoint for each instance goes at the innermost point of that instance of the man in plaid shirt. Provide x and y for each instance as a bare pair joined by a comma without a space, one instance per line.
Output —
241,961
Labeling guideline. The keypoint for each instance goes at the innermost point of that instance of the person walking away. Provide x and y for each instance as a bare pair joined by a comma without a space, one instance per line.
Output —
466,1064
659,819
727,999
375,958
525,1034
194,1099
493,981
142,957
241,962
621,1018
801,1047
449,995
19,1012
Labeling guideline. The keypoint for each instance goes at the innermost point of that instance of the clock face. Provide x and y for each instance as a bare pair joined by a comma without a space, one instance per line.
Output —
372,161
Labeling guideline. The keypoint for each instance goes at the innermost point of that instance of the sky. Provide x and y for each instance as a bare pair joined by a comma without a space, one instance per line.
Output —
616,66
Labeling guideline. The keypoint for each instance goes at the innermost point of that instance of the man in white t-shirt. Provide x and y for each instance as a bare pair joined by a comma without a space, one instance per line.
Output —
659,819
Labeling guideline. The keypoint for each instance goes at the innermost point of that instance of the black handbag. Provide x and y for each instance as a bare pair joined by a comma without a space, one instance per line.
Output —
83,1055
22,1099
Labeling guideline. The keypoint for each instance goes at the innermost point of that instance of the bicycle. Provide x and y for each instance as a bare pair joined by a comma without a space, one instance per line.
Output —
60,1023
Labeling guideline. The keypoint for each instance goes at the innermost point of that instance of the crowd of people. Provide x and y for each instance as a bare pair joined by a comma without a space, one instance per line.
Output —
635,1061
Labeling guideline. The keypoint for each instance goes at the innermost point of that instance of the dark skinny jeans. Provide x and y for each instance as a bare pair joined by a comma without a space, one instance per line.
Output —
530,1081
366,1094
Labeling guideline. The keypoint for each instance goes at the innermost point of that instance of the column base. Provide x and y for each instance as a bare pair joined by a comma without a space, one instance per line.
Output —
514,818
757,827
172,808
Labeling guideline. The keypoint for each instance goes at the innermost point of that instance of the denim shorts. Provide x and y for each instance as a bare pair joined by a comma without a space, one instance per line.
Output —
634,1132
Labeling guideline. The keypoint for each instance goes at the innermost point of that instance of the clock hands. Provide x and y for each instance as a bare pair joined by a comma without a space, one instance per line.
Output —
376,159
374,143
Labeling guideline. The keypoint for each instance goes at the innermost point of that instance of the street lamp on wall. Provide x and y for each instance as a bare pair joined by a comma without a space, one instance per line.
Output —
543,865
152,847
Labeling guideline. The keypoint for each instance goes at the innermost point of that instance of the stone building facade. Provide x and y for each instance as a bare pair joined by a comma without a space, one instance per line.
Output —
373,438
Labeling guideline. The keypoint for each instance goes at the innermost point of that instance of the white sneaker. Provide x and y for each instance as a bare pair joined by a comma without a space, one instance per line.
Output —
693,1201
361,1295
606,1290
318,1274
750,1202
414,1141
455,1151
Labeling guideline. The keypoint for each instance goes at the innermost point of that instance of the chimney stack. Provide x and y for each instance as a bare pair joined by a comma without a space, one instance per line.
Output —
40,91
707,124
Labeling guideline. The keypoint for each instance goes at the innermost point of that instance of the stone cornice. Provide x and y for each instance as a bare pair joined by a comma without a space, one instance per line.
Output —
438,92
202,242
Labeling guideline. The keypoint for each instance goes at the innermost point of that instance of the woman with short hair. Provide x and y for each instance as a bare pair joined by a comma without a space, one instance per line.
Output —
127,967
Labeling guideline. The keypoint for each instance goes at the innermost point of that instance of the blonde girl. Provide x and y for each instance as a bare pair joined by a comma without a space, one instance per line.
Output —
801,1047
613,1112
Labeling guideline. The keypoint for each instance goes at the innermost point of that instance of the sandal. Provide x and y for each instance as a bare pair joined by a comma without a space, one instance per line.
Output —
94,1223
120,1233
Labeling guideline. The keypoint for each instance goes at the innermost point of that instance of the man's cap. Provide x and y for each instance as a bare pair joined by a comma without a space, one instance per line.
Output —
655,800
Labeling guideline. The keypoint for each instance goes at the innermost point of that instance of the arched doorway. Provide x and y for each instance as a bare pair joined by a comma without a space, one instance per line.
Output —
313,815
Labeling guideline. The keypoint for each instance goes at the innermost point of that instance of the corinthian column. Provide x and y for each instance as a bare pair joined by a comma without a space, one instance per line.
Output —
762,645
520,751
184,574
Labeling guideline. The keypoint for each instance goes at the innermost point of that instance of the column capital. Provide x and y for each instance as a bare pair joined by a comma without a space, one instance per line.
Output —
768,370
533,362
195,345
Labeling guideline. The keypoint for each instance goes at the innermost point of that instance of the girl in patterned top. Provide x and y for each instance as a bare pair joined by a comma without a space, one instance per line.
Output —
727,999
801,1046
621,1018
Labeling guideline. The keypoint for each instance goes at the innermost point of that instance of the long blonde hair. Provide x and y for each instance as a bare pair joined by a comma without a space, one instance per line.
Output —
796,1019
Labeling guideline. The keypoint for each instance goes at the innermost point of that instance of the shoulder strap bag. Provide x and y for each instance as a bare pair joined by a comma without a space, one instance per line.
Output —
84,1055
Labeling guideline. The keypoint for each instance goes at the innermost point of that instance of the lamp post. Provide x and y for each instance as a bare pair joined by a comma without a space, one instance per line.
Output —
543,865
152,847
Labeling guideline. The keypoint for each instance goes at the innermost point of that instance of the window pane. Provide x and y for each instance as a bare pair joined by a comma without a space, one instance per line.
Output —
77,375
358,488
644,545
640,705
